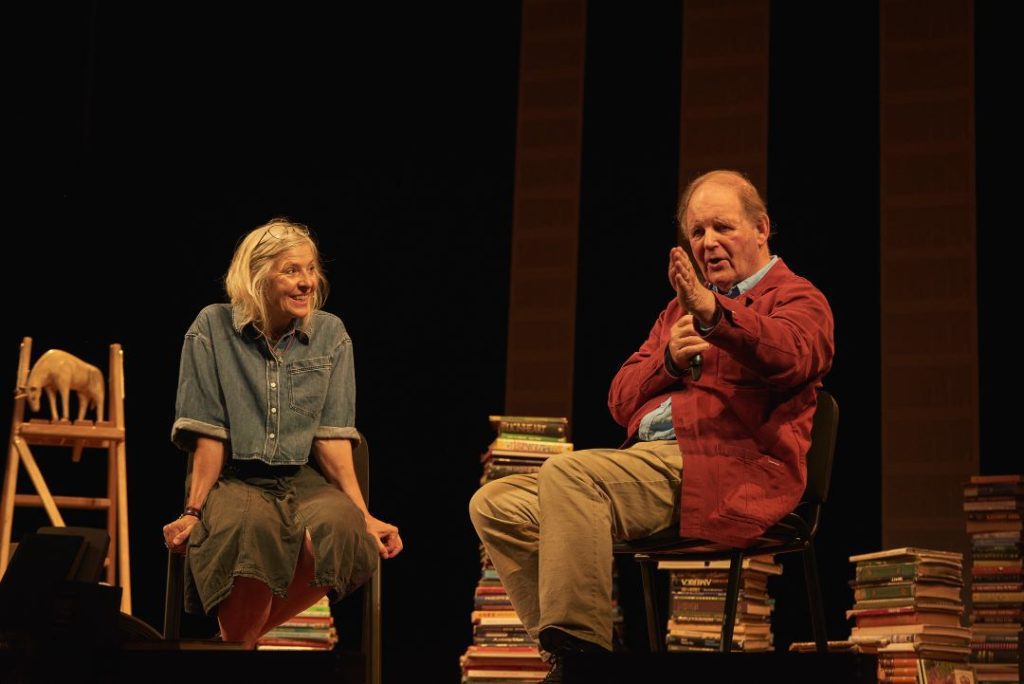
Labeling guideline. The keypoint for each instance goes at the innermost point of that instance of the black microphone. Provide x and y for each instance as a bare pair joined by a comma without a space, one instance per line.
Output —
698,360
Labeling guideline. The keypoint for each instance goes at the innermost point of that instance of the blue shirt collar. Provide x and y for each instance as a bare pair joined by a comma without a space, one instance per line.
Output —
748,283
303,329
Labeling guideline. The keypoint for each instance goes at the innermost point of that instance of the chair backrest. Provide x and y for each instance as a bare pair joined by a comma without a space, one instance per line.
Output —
174,597
371,639
823,447
361,463
97,542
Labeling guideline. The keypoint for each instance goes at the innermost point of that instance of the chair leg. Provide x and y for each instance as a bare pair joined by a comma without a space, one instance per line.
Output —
173,598
814,599
732,595
371,629
654,623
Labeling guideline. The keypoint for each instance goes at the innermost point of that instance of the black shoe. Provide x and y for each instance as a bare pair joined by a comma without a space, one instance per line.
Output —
556,672
558,644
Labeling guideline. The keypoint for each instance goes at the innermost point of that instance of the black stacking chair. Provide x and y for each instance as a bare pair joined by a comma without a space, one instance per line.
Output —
174,600
793,534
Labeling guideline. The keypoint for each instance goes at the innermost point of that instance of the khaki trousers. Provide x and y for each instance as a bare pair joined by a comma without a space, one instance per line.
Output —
550,534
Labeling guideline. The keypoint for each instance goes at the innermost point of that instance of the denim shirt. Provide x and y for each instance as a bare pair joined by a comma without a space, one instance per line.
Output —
267,405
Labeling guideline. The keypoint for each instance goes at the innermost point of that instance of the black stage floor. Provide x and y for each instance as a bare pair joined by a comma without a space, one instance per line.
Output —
200,662
719,668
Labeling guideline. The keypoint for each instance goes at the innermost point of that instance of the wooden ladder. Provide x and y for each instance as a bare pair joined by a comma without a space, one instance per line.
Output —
108,434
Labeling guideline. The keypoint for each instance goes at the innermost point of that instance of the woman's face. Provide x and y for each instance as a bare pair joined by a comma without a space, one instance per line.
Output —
293,280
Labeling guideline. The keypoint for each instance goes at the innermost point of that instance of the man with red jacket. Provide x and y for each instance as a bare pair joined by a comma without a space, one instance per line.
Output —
718,404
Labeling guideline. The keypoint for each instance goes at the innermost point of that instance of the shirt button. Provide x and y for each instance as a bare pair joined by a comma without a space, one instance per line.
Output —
273,385
271,435
273,410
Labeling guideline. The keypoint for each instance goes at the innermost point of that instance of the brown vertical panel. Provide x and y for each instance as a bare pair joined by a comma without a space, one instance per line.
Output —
724,115
928,316
545,223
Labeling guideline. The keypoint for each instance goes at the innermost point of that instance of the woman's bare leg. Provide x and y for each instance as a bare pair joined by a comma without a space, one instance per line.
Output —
243,613
300,594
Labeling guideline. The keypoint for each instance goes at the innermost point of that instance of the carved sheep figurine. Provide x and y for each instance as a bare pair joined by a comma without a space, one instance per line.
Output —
58,371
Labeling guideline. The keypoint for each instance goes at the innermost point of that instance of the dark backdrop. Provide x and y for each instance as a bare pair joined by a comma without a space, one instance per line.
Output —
141,144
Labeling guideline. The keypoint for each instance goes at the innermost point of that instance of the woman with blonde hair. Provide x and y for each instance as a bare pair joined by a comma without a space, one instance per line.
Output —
267,381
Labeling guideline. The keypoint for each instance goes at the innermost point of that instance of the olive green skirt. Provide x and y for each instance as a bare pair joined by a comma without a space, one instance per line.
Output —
254,522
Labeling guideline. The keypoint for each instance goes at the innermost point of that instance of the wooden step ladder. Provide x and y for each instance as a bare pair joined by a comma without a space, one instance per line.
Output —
108,434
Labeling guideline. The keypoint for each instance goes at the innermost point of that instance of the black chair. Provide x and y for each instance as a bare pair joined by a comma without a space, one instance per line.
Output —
794,533
174,601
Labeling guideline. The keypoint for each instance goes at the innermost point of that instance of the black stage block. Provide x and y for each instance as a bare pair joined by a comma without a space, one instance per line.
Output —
178,663
243,666
792,668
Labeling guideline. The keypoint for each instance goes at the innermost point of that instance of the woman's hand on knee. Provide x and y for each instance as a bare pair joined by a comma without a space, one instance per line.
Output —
176,533
389,543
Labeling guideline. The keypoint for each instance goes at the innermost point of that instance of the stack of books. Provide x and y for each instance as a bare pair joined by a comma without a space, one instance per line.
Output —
993,506
493,664
908,609
495,623
311,630
523,444
697,604
502,650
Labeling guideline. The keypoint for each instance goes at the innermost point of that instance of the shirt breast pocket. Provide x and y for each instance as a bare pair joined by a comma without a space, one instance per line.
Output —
307,385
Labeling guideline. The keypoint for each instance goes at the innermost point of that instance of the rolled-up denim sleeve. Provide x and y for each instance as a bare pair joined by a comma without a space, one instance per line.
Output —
338,418
199,408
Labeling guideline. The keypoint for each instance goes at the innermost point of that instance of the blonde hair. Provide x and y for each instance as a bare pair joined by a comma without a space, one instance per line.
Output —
753,206
249,274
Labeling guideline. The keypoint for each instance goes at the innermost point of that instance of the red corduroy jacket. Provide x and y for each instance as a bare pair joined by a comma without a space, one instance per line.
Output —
745,426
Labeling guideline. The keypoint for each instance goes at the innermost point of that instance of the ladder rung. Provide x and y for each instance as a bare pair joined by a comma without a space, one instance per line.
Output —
89,503
69,442
72,432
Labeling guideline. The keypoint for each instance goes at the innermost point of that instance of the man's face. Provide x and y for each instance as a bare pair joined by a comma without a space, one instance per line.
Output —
727,246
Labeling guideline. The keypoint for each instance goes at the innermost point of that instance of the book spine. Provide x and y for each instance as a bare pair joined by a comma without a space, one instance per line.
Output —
906,619
498,472
996,566
996,479
990,656
888,571
1008,489
1003,554
703,617
892,591
993,505
997,596
682,581
993,515
531,428
532,446
534,437
998,586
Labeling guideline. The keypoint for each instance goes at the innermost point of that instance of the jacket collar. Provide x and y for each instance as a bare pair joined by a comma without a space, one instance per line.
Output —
303,327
